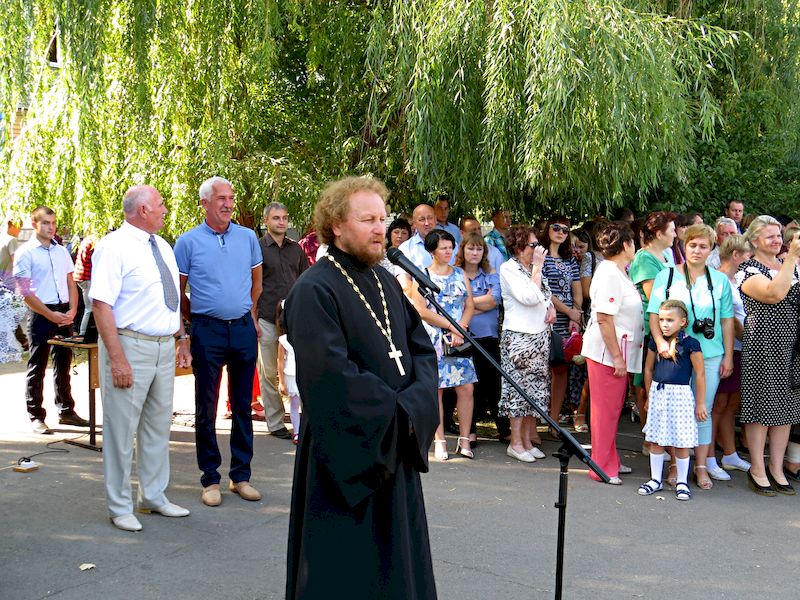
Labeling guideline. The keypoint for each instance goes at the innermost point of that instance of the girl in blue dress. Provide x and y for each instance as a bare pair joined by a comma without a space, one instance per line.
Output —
673,409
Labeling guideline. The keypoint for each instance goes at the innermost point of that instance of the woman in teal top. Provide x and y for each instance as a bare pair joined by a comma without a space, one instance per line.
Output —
710,303
658,233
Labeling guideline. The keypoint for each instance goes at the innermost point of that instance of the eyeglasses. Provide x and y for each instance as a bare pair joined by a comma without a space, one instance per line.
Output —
561,228
533,244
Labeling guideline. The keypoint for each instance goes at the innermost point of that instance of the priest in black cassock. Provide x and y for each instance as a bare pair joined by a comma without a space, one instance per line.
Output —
368,381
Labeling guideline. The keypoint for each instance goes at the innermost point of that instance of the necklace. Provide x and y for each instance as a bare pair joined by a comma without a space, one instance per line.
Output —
394,353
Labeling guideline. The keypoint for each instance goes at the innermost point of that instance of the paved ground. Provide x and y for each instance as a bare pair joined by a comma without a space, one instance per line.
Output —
492,525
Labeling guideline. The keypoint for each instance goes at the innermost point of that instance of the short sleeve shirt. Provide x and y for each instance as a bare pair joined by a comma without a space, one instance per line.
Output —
219,269
703,306
679,371
485,324
645,267
612,293
46,268
560,275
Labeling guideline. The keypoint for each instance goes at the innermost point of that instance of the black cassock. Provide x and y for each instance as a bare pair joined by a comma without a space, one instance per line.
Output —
358,527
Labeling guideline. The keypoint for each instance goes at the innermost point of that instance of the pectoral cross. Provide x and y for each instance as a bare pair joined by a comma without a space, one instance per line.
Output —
396,354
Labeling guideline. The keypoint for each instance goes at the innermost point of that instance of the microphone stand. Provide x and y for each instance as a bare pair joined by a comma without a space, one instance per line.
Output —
569,445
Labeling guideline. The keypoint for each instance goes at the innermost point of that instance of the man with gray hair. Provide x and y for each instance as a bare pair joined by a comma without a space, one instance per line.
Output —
221,263
136,307
284,261
724,227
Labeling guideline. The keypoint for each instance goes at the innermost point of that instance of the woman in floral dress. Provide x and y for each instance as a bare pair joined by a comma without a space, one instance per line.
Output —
454,372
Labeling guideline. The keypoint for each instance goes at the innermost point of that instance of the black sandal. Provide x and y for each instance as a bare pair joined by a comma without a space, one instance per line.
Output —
682,491
651,487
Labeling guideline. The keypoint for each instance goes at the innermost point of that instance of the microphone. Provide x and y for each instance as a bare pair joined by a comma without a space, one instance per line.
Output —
401,260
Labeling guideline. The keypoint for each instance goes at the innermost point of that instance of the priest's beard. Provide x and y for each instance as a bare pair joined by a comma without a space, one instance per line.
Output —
364,254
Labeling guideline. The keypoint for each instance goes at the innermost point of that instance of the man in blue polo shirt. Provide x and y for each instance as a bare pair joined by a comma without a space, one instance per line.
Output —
221,262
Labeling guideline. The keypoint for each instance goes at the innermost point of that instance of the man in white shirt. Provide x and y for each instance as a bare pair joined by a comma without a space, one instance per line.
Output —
725,227
43,272
424,220
136,306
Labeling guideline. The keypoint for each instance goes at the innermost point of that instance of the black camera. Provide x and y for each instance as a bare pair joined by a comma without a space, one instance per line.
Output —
704,326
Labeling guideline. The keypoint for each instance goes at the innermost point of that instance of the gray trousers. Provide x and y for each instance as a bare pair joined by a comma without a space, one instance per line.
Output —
268,376
144,412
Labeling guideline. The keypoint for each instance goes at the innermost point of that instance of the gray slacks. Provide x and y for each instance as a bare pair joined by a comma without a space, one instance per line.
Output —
144,412
268,375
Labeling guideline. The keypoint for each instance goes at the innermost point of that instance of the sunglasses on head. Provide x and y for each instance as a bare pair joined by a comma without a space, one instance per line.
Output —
561,228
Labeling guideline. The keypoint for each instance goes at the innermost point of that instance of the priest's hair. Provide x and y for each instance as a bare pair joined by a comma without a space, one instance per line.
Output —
334,203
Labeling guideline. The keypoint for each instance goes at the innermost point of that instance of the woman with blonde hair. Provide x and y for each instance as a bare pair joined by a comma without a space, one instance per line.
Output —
770,364
707,294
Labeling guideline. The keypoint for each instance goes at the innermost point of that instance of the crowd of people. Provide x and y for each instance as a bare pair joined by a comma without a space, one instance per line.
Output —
680,317
519,290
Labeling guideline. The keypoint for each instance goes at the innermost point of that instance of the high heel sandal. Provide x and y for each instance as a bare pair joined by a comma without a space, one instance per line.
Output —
703,484
464,450
440,450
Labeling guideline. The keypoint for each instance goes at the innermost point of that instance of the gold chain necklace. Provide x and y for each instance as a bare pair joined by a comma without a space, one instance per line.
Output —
394,353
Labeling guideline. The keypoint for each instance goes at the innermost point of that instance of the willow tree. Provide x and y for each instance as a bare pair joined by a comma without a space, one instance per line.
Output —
540,101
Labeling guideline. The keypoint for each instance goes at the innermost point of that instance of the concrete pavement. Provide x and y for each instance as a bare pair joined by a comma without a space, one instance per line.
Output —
492,526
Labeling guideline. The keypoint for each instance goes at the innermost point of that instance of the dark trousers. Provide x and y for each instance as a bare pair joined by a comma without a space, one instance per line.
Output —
40,329
216,342
487,389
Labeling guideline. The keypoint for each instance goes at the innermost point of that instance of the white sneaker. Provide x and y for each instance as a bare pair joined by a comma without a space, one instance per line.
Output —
127,523
718,474
536,453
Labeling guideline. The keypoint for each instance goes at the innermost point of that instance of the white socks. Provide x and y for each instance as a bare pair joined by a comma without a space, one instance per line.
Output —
734,460
656,466
711,463
683,469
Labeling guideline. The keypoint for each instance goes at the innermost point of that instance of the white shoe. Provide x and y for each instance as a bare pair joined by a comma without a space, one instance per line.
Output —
168,510
624,469
615,481
440,450
127,523
523,456
38,426
736,464
536,453
718,474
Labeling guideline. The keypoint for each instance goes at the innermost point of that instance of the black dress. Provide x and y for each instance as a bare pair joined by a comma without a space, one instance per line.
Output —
358,526
770,362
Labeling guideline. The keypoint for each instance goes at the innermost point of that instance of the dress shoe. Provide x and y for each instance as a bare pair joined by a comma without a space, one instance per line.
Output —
282,433
127,523
211,495
168,510
781,488
70,418
245,491
718,473
761,490
39,427
615,481
523,456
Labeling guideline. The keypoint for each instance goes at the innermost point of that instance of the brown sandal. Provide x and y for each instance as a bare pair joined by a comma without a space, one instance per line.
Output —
704,484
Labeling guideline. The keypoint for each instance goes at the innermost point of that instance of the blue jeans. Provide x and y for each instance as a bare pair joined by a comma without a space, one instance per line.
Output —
216,342
712,383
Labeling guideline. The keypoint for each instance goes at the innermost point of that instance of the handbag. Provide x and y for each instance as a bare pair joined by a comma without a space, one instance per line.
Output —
556,349
465,350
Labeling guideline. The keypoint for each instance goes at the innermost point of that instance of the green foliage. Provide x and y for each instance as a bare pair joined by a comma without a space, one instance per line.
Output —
537,104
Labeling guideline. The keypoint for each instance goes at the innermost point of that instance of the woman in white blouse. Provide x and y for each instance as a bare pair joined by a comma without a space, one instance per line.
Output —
613,343
525,341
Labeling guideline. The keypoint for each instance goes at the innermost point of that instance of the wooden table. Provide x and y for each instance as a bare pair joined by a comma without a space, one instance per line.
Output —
94,383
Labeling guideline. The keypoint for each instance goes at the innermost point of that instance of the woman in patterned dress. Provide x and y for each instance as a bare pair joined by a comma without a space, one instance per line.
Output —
770,366
525,341
562,273
454,372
